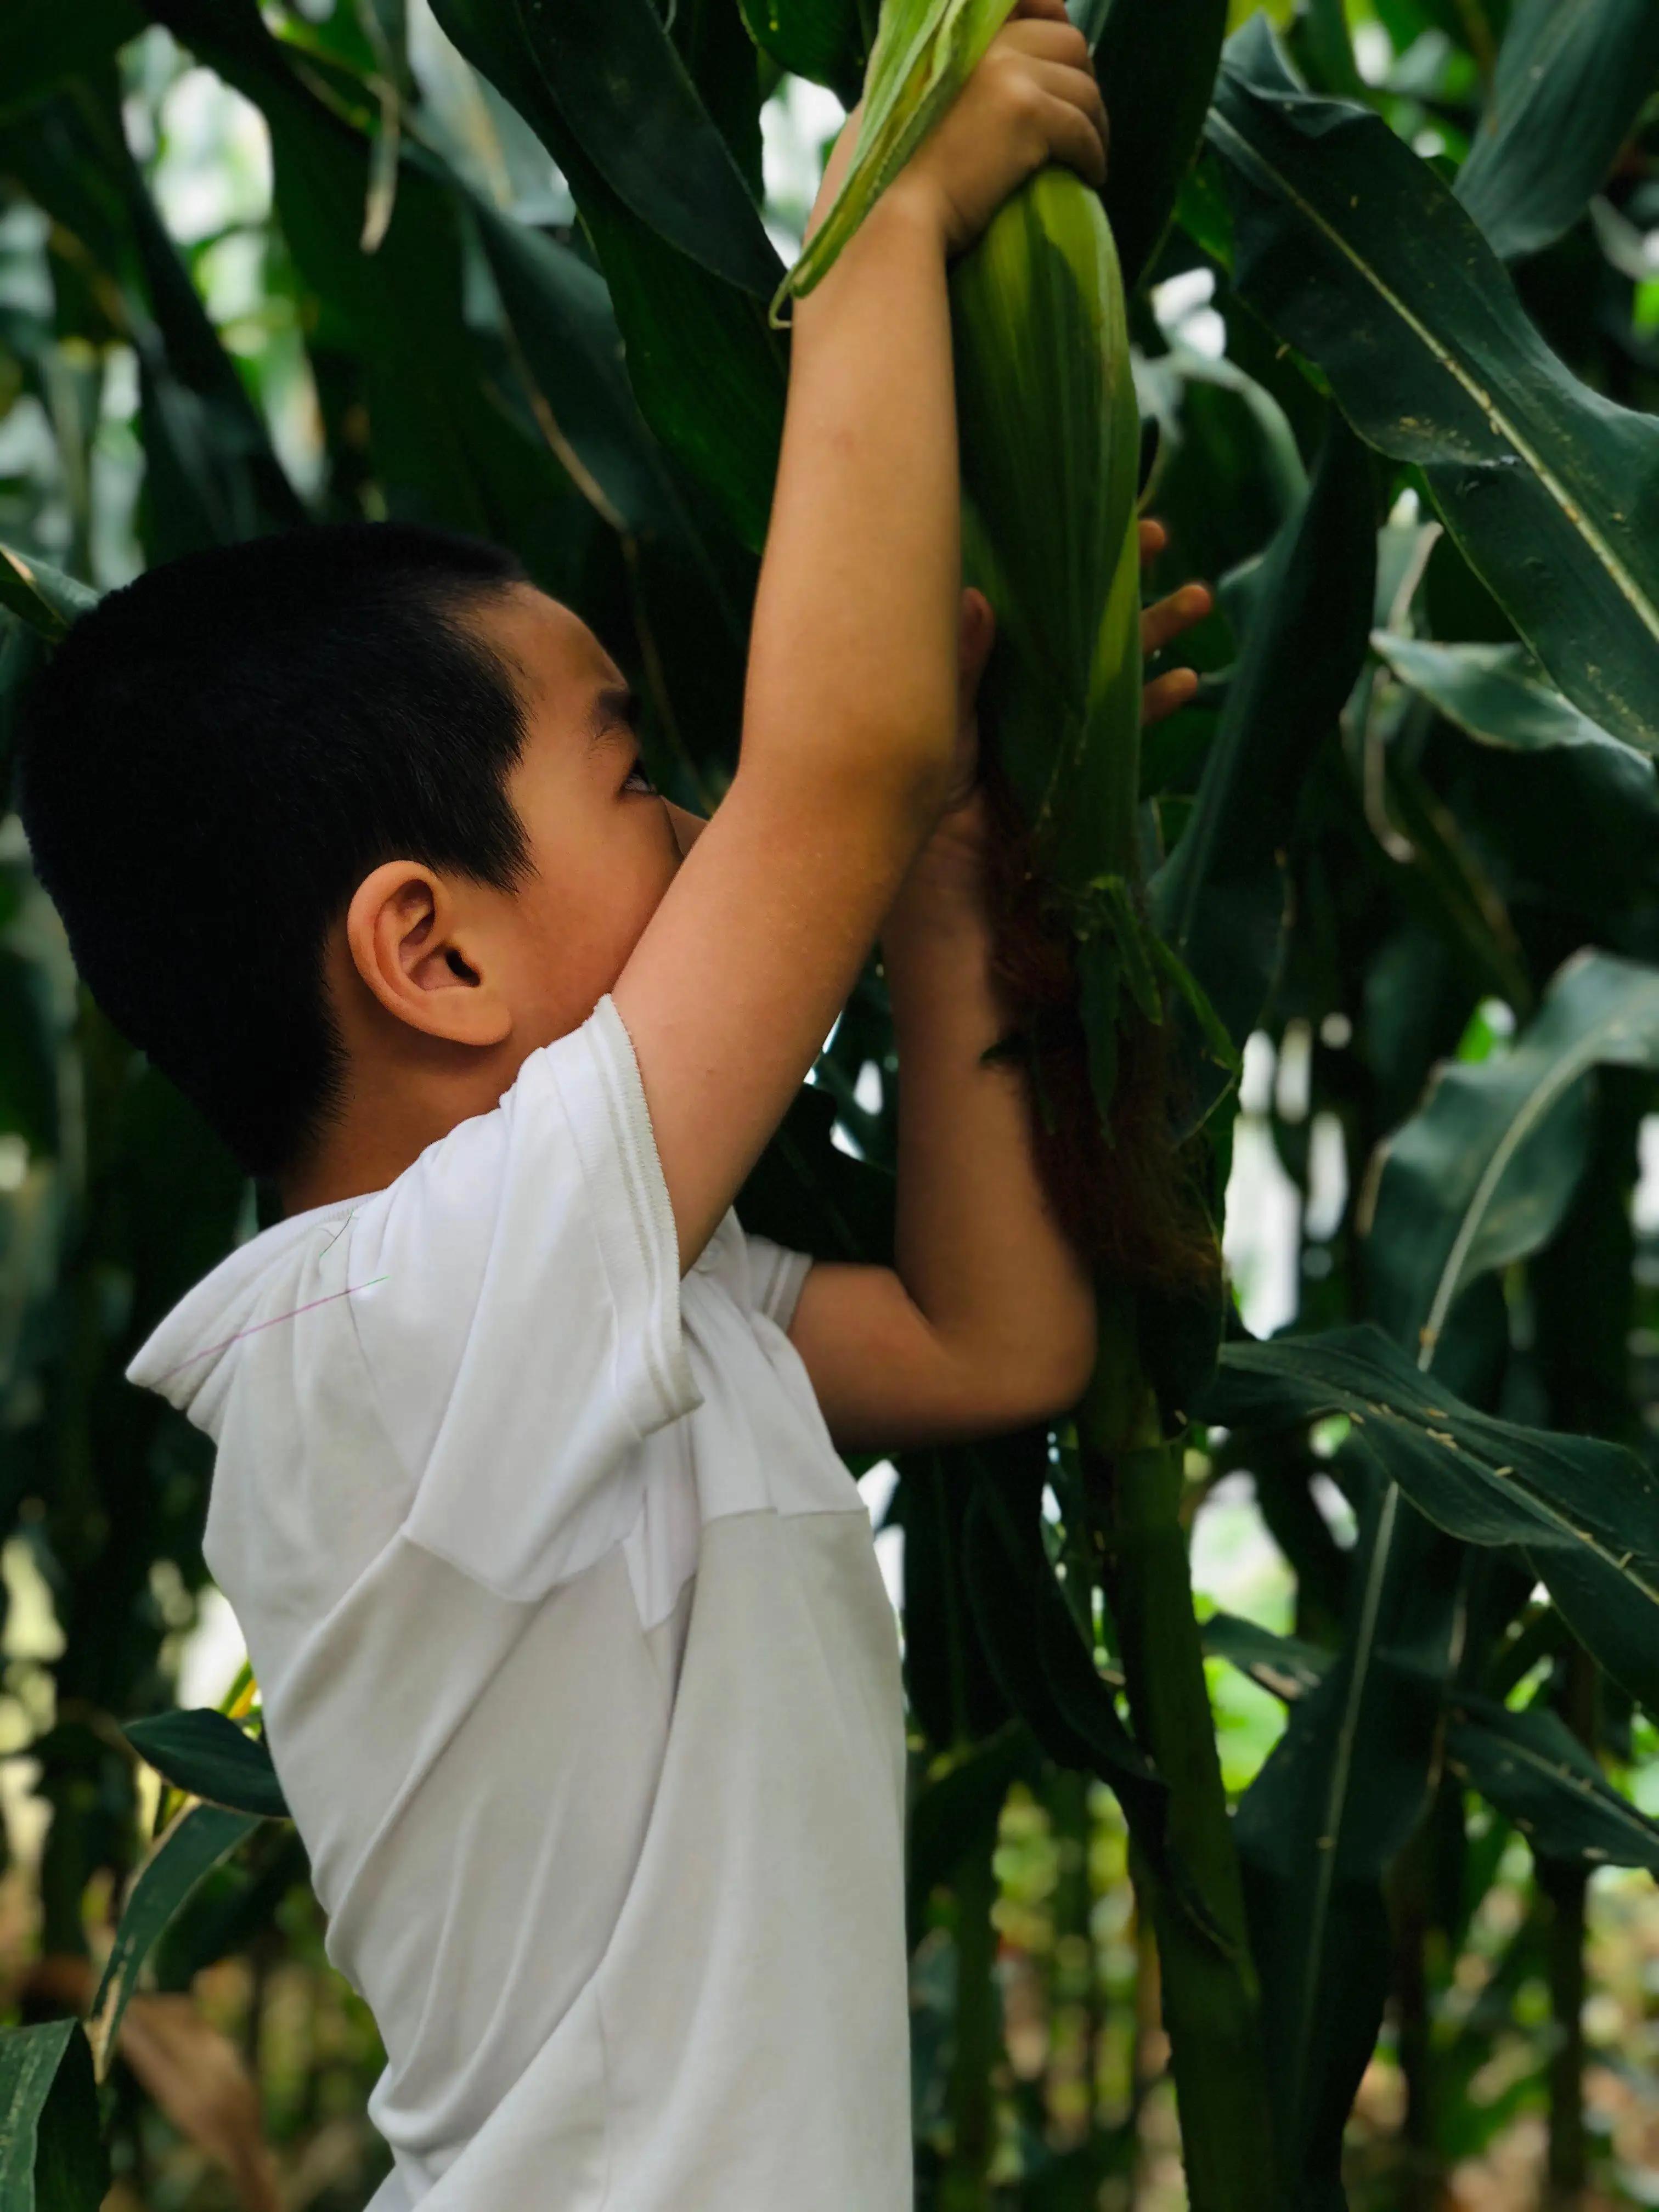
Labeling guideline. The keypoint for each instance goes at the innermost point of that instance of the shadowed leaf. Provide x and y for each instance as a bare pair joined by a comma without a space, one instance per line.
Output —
51,2157
1353,250
1572,78
1532,1767
208,1756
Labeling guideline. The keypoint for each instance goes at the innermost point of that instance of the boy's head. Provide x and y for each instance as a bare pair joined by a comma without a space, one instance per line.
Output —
342,821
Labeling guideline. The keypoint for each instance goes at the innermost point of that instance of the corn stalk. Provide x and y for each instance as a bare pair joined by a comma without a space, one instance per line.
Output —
1049,452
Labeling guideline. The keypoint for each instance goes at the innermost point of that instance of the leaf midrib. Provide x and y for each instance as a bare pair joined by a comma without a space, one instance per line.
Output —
1618,573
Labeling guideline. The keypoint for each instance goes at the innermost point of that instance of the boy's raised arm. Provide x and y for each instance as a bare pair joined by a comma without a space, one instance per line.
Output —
850,710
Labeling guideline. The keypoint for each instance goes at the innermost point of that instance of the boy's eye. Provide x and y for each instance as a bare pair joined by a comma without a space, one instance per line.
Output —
636,779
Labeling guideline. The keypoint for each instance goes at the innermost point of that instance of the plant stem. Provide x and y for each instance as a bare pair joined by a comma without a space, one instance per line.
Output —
1212,2000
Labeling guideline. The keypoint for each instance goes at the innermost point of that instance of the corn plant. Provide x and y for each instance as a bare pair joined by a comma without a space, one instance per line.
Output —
528,280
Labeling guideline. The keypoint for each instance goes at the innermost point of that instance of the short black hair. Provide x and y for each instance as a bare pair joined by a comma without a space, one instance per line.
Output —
220,751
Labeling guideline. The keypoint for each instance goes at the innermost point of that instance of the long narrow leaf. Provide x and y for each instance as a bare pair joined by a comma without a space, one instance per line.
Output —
1354,250
1585,1513
627,100
823,41
42,596
197,1840
51,2159
1532,1767
208,1756
708,375
1484,1172
1572,78
1156,60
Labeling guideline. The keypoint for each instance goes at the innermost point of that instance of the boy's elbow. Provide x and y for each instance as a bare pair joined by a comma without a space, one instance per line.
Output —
1047,1384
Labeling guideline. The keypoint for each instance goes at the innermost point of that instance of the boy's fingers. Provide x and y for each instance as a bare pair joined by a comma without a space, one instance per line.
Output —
1074,136
1167,693
1153,537
1166,619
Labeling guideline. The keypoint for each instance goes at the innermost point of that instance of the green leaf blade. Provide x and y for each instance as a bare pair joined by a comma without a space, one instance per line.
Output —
208,1757
1572,78
1353,250
198,1840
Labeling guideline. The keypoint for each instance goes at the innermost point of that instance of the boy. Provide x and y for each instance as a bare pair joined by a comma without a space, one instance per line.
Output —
577,1668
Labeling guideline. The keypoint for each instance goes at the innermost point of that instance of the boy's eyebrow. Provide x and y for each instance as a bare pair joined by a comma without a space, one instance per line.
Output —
612,703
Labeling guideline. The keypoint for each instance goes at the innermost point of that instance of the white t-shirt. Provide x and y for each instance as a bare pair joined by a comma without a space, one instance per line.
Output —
578,1668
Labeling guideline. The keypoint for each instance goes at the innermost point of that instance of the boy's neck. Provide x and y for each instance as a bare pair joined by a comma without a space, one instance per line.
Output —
384,1129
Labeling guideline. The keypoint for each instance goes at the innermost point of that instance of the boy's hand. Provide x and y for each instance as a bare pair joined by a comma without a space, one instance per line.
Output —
1033,99
963,821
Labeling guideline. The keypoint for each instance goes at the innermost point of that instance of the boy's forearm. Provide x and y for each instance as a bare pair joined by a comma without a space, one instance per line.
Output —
977,1248
853,647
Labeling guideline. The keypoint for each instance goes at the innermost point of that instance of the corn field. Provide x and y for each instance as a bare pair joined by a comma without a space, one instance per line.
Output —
1284,1728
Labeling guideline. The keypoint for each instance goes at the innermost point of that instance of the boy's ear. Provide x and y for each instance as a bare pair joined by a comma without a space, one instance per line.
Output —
422,958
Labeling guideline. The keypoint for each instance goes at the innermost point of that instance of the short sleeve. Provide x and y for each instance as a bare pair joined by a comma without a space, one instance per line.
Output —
522,1333
775,1277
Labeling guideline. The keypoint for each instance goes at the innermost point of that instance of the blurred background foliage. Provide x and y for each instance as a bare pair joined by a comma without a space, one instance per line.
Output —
306,260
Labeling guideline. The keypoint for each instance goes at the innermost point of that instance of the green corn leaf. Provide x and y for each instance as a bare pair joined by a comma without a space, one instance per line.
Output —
1339,1795
51,2153
1353,250
1285,1666
924,53
823,41
1533,1770
211,475
187,1852
443,444
1039,1658
624,96
1499,696
40,595
1528,1764
1585,1513
1484,1173
1573,78
708,375
1156,60
562,319
209,1757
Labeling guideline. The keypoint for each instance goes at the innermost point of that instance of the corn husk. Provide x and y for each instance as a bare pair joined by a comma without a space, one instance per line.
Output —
1050,445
